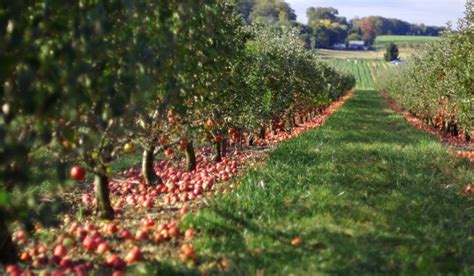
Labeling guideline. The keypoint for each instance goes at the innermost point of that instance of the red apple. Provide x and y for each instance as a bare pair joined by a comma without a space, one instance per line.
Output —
208,124
125,234
189,251
296,241
148,203
189,234
78,173
102,248
59,251
173,231
468,189
162,226
89,243
141,235
111,228
133,256
12,269
164,139
65,263
80,270
21,236
86,199
147,223
169,152
182,144
28,273
116,262
89,227
25,256
159,237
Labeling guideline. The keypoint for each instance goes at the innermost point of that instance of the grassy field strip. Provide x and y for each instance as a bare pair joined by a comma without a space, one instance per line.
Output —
405,38
404,41
367,194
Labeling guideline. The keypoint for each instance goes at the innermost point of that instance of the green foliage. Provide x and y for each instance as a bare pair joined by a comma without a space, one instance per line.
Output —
391,26
276,76
391,52
79,83
321,13
437,83
267,12
328,28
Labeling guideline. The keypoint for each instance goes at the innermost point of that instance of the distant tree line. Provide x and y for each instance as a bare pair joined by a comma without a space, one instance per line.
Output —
325,27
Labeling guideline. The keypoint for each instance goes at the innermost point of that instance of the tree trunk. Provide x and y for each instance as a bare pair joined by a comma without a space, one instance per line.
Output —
250,139
293,118
224,147
261,134
217,149
149,174
8,250
104,208
453,128
291,122
190,157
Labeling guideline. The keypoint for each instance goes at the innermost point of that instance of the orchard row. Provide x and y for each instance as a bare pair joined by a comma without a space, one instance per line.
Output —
437,85
89,82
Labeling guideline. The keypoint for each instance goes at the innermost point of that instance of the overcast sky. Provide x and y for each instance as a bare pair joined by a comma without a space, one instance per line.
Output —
429,12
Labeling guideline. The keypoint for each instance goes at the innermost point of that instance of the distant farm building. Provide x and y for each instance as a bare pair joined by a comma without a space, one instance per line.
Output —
339,46
357,45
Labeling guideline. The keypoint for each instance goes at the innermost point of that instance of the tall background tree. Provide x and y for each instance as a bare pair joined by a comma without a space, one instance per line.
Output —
391,52
328,28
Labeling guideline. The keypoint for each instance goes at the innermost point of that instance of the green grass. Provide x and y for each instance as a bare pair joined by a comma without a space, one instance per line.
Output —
404,41
368,193
405,38
363,70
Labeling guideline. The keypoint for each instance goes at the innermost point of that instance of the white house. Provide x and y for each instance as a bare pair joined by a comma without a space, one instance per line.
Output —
357,45
339,46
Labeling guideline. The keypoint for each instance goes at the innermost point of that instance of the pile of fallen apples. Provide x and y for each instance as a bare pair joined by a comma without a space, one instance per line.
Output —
466,154
146,217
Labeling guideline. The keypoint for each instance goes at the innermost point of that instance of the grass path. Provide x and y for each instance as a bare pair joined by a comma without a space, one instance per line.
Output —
367,193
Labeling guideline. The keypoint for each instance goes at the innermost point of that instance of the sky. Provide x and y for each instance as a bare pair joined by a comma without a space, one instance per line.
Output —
428,12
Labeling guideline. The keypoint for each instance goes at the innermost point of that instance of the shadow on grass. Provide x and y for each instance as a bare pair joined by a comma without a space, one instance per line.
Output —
366,192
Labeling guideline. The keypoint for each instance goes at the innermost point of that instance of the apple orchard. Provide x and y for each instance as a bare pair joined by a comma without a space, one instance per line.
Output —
87,85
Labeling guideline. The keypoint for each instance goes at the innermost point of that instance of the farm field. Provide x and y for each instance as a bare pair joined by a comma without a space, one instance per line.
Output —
404,41
365,193
405,53
364,71
408,45
405,38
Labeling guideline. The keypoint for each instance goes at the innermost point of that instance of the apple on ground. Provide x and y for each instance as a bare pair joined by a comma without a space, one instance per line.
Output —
133,256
